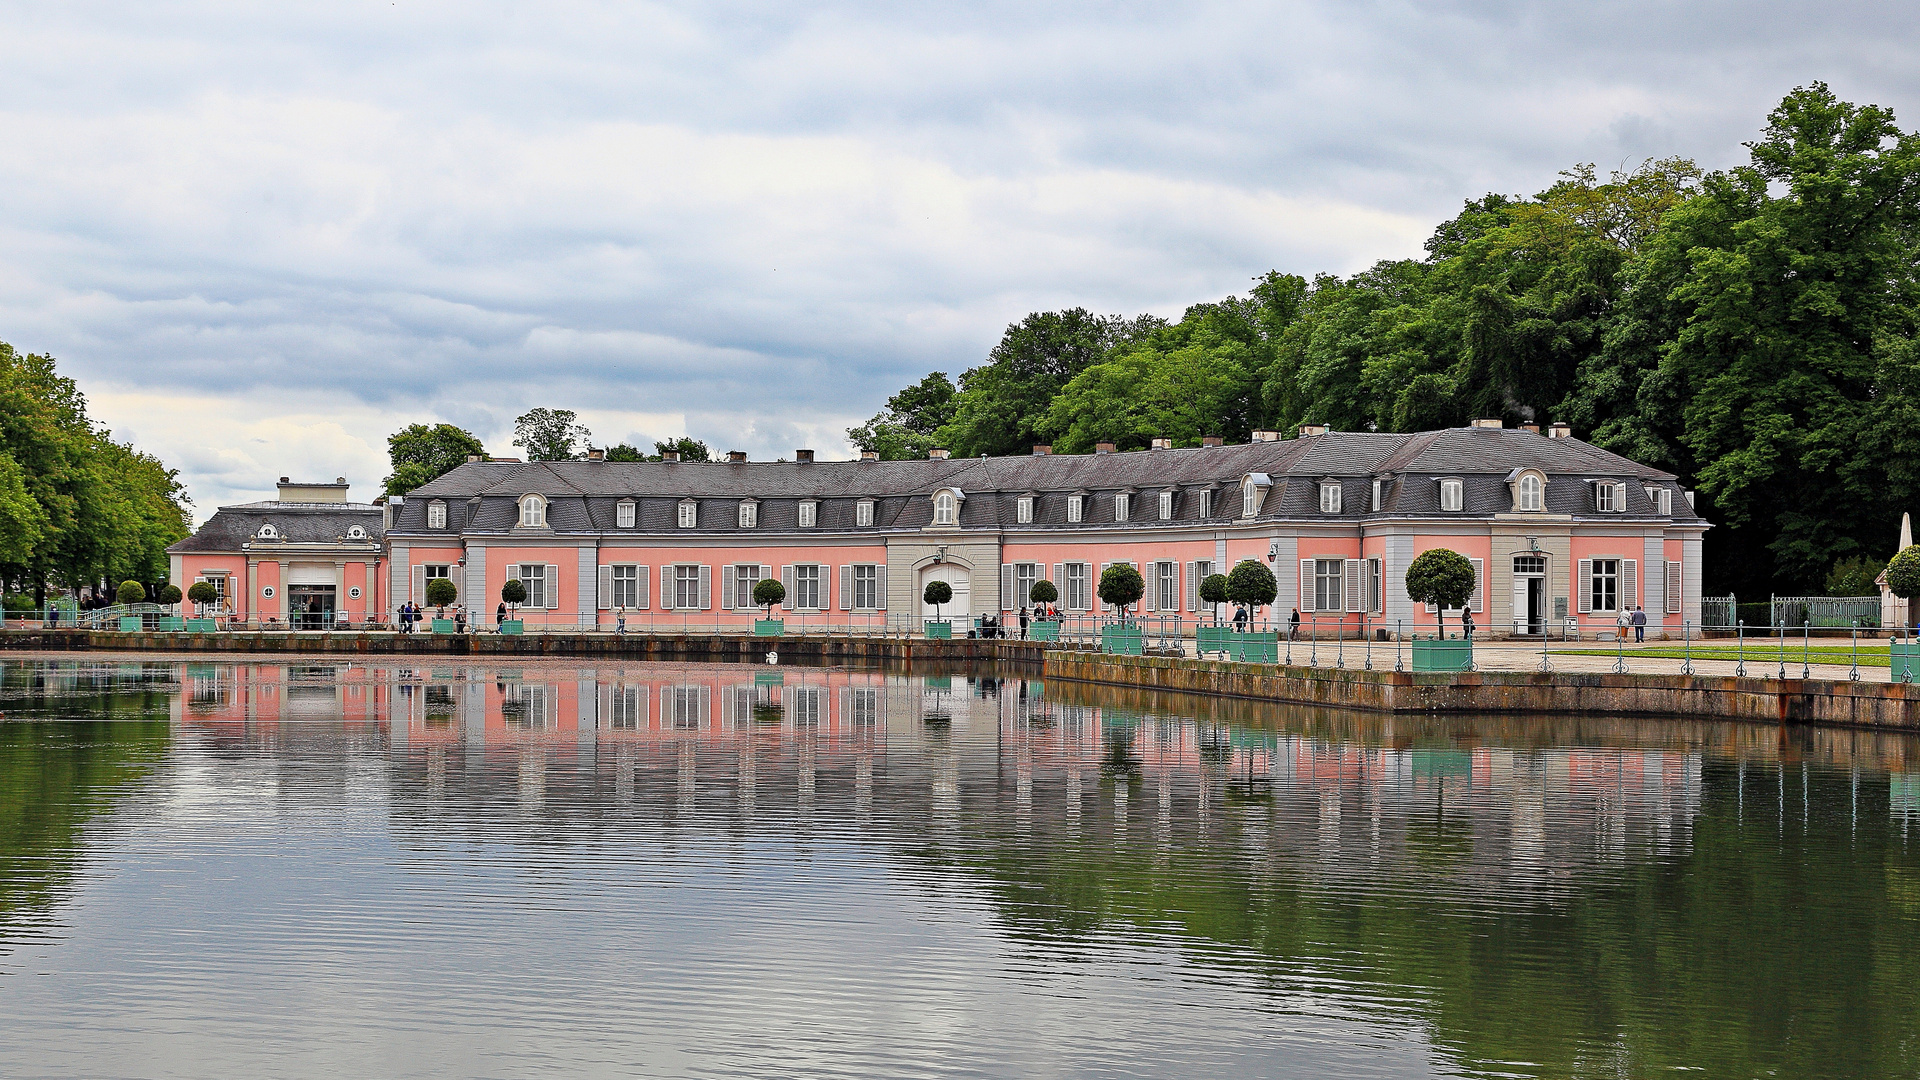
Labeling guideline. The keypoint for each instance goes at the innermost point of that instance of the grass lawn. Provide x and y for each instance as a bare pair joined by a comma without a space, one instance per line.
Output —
1758,650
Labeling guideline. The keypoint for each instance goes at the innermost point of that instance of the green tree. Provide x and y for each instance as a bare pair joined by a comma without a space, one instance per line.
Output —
1000,406
1122,586
23,525
689,449
904,430
1213,590
131,592
441,592
549,434
625,452
169,594
420,454
1854,576
1441,577
1903,578
202,593
1251,583
768,592
1043,592
937,593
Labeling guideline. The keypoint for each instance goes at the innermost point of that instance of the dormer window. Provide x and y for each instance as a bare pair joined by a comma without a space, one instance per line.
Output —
1529,491
1452,495
1662,500
267,532
749,513
1166,506
1253,491
809,513
533,512
689,515
436,515
1330,496
623,514
1023,510
1076,507
1122,503
1609,497
1206,504
356,532
945,508
1379,495
863,513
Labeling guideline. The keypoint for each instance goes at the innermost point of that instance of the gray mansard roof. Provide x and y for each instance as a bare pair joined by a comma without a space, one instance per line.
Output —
583,496
296,522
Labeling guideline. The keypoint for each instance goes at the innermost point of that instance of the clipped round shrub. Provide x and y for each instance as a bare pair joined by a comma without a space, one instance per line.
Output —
1903,573
202,592
1251,583
1043,592
1121,585
1213,589
937,593
169,593
131,592
440,592
768,592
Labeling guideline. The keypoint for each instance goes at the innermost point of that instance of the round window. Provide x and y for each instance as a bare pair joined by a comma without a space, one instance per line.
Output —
356,533
266,591
354,592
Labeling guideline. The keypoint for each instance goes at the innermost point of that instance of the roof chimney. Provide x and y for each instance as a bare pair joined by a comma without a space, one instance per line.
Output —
1103,448
869,455
1494,423
735,457
669,455
471,458
595,454
1306,430
1212,440
939,453
1163,444
1042,449
288,480
804,457
1535,428
1274,436
1559,431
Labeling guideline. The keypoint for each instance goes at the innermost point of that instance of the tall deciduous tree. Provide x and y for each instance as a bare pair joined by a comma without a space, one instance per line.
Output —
421,453
907,427
549,434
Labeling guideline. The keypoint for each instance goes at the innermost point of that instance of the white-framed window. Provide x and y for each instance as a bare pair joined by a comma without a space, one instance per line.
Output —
866,587
1528,493
807,578
863,708
626,586
1609,497
806,707
1379,495
1330,498
1023,510
527,706
533,512
627,708
267,532
436,515
219,583
1122,505
623,514
686,586
1249,499
1327,575
1206,504
434,571
863,513
745,577
749,513
1166,506
1452,495
1079,586
356,532
534,577
1606,584
1167,586
686,707
809,513
1376,586
943,504
689,514
1076,506
1024,575
1662,501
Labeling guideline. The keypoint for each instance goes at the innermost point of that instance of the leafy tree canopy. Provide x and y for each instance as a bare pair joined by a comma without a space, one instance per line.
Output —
1251,583
1903,573
906,428
1043,592
1441,577
549,434
1122,586
421,453
768,592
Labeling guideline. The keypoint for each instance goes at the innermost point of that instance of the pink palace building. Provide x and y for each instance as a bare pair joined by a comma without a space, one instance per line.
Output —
1559,531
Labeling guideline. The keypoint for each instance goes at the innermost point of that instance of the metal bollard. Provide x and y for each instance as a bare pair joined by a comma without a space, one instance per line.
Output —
1740,638
1854,675
1396,646
1806,647
1686,632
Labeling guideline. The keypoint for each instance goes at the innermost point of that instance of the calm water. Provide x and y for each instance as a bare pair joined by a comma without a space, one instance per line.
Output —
234,869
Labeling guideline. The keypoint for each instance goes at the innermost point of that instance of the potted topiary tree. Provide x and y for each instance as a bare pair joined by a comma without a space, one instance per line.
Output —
130,593
1215,638
937,593
1903,580
766,593
202,593
513,593
1251,585
1043,593
170,596
1443,578
1121,586
440,593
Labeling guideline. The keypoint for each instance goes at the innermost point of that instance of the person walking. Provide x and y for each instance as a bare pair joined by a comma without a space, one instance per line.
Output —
1639,624
1293,625
459,619
1624,620
1023,622
500,615
1466,624
1240,619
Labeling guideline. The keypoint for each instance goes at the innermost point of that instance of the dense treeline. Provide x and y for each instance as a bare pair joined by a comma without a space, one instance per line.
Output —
1751,330
76,507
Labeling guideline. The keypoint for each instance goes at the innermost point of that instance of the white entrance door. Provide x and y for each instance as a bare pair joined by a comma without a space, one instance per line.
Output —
958,580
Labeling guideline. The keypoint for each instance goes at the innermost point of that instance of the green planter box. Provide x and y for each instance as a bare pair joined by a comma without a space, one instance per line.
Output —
170,623
507,626
1253,648
939,629
129,624
1450,654
1905,658
1043,631
442,626
1208,639
769,627
202,626
1121,639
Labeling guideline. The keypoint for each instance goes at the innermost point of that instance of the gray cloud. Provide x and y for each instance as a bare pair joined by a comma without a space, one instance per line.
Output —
266,237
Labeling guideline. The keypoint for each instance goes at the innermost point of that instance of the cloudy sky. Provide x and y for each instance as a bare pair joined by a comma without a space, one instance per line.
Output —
266,236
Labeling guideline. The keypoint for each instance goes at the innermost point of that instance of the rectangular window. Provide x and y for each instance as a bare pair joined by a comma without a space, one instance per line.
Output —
1167,575
686,586
1329,498
1451,495
807,514
1166,506
1603,498
1606,584
626,586
863,513
623,516
1024,575
864,707
1379,495
1662,499
219,583
534,577
686,707
749,514
689,514
1206,504
1376,581
436,515
1079,586
806,586
866,587
1121,505
439,570
526,706
745,577
806,707
1023,510
1326,584
1073,507
627,708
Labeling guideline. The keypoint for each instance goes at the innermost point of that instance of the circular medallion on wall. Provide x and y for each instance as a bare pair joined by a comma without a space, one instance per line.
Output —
354,592
267,591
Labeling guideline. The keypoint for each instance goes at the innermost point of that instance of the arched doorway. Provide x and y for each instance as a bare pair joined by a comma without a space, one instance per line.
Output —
957,579
1529,593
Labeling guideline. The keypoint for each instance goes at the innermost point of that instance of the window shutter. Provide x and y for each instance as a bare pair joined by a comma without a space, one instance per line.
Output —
604,595
880,585
643,575
419,594
727,600
1629,583
1150,596
1193,588
846,588
1375,602
1356,596
1620,497
552,574
1095,602
706,596
1479,600
1674,596
787,579
1306,585
1584,584
1060,581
